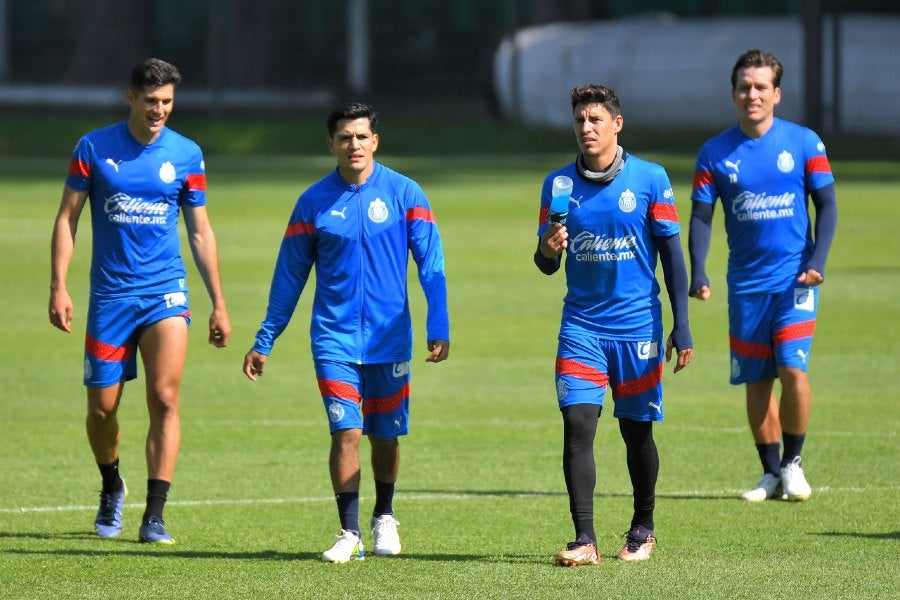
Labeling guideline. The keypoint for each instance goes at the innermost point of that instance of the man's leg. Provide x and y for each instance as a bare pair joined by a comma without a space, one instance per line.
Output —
385,467
765,426
796,398
102,428
163,348
344,466
642,457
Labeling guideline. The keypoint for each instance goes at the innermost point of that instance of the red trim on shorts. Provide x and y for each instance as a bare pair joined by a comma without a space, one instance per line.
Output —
749,349
639,385
378,406
567,366
339,389
804,329
104,351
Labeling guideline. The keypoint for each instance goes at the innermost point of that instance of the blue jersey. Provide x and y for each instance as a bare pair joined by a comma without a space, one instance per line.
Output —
611,255
136,193
764,185
359,237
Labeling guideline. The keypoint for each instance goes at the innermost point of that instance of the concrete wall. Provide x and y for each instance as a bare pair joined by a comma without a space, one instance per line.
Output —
670,72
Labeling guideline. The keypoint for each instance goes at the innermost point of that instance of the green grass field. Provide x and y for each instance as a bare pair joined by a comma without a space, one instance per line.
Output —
481,496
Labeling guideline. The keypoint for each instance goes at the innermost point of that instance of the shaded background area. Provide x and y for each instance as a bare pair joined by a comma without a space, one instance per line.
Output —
249,62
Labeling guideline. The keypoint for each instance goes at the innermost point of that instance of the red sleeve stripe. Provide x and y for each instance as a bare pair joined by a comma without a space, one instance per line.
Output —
79,168
378,406
299,228
197,182
818,164
795,331
639,385
339,389
420,213
702,178
108,352
663,212
544,217
567,366
750,349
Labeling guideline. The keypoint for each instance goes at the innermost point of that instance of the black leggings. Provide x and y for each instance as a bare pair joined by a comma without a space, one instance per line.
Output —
579,469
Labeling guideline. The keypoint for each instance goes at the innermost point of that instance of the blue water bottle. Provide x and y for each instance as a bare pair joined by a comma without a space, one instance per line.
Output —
560,194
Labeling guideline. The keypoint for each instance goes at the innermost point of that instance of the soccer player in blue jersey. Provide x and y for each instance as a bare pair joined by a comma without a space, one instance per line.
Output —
358,226
621,219
764,169
138,176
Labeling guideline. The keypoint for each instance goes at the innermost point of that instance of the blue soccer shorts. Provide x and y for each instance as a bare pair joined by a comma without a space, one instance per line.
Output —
768,331
585,366
113,328
374,398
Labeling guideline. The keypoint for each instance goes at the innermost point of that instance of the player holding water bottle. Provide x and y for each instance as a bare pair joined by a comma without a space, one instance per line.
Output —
612,214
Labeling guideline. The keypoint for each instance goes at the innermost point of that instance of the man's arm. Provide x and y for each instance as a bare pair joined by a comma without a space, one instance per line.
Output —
699,240
206,256
62,247
826,224
675,275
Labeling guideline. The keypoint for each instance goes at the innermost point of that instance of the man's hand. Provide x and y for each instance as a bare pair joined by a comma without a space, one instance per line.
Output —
254,363
702,293
438,350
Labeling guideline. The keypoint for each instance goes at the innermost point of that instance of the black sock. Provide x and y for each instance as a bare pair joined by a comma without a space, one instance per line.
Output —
348,511
384,499
793,446
643,468
112,482
157,492
579,429
769,456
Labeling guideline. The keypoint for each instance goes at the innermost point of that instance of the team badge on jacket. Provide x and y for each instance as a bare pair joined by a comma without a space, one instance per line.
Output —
378,211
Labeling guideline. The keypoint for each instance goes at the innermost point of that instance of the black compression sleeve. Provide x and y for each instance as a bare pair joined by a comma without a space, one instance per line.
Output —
826,223
548,266
698,243
675,274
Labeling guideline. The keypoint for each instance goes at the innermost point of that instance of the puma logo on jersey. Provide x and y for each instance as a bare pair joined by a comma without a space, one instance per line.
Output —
733,165
113,164
339,213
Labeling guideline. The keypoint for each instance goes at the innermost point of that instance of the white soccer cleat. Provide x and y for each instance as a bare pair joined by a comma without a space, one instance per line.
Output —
387,540
765,489
794,481
347,547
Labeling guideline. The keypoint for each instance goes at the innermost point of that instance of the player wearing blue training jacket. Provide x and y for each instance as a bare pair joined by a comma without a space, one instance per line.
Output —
358,226
139,176
764,170
621,219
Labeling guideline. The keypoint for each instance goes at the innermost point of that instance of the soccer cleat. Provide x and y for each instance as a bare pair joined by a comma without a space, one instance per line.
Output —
765,489
153,531
639,544
387,540
109,516
794,481
347,547
582,552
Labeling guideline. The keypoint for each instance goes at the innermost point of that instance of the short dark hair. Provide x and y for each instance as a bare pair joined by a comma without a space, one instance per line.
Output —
152,73
596,94
351,111
757,58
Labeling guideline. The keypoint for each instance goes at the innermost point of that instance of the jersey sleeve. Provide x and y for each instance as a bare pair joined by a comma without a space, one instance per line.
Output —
704,186
193,193
428,253
817,170
292,268
79,176
663,214
544,212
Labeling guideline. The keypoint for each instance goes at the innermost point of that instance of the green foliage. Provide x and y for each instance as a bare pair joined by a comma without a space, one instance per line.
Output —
481,499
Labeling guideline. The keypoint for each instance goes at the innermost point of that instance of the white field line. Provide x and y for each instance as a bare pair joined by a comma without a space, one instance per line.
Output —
429,497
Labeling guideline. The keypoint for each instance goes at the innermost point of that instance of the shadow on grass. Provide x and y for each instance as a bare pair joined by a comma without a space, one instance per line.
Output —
562,494
884,535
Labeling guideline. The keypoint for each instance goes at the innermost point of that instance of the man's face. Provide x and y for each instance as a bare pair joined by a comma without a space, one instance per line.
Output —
755,96
354,145
596,131
150,109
